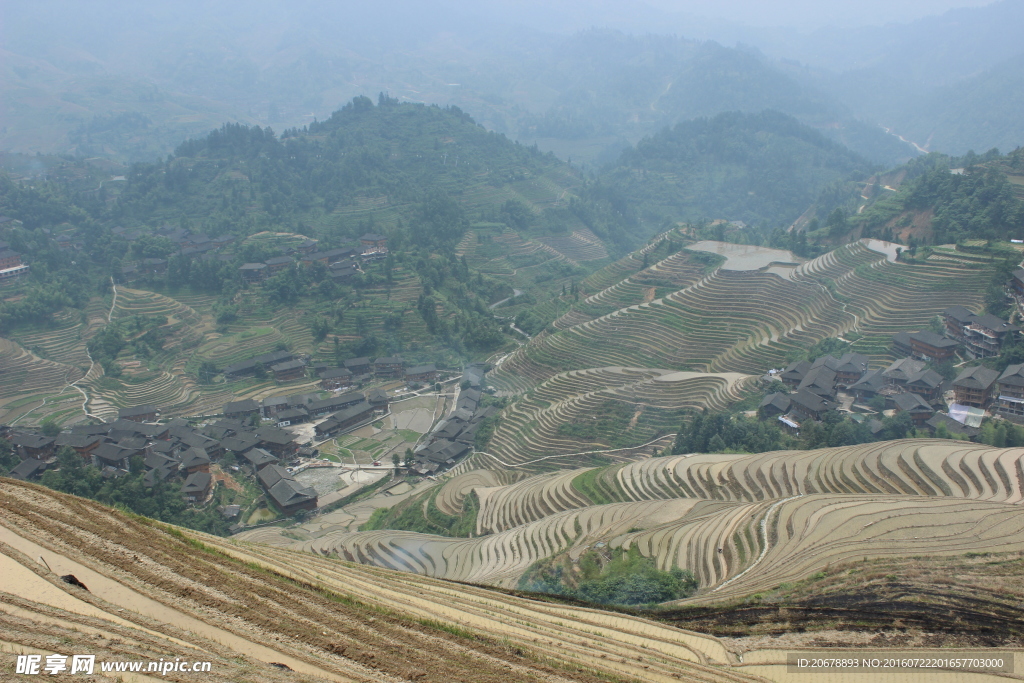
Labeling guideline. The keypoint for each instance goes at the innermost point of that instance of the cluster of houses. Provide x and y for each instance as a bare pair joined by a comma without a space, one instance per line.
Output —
453,437
814,386
352,408
978,335
286,366
171,451
360,370
196,245
908,385
342,264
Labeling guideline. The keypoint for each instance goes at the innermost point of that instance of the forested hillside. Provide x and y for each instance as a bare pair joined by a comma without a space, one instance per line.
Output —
471,220
763,168
942,200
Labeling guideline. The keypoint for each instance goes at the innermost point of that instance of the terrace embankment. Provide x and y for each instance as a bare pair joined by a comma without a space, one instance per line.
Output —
967,600
751,320
155,591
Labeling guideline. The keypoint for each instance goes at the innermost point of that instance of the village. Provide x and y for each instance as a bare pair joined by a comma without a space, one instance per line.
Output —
287,446
911,384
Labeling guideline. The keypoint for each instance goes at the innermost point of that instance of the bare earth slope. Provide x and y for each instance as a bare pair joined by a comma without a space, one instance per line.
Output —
155,591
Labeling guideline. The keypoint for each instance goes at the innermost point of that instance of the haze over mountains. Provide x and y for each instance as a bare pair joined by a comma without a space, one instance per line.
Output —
131,81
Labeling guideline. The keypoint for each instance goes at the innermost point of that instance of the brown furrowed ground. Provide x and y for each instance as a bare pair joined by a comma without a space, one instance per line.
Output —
156,591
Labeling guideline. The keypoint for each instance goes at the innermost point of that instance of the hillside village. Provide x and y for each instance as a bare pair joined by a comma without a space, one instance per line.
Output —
910,384
266,442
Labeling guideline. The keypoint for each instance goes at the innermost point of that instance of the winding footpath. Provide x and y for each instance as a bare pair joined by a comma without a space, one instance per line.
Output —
566,455
92,363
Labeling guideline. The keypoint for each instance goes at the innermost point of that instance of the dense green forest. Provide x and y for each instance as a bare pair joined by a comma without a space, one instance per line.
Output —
763,169
422,176
969,197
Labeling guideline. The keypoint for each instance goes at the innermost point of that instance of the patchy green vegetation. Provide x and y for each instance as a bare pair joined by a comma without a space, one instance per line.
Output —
163,501
608,577
420,513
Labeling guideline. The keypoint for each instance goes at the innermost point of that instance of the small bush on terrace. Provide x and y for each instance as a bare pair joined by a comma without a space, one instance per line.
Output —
610,578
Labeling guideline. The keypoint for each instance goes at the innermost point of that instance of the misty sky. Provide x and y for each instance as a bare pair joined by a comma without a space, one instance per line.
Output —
815,13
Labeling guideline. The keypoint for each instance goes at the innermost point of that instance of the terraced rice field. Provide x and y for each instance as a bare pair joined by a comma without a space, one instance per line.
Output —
22,372
740,523
155,591
749,321
581,245
165,383
674,272
914,467
64,343
26,380
649,403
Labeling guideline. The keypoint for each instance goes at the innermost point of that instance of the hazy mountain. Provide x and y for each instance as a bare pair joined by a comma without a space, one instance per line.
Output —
586,95
764,168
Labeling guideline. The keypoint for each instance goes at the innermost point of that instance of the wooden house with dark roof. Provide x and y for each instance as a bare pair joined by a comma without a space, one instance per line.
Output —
241,409
869,385
278,263
983,335
277,441
807,404
112,455
820,380
974,385
195,460
378,398
240,443
421,373
952,426
32,445
389,367
925,345
292,416
146,413
373,243
794,373
927,384
253,272
912,404
197,486
901,370
335,378
83,444
258,458
29,468
273,405
334,403
291,496
289,370
1010,401
774,405
358,366
850,368
345,418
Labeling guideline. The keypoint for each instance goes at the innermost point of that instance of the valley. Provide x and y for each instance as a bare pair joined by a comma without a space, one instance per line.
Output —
393,397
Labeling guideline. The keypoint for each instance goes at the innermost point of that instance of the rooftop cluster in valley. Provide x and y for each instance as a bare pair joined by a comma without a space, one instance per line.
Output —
910,384
452,438
342,263
174,450
286,366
